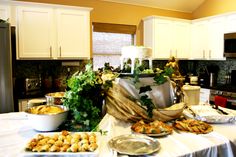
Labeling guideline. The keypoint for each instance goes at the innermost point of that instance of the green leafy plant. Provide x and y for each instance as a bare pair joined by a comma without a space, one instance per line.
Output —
85,99
161,75
145,101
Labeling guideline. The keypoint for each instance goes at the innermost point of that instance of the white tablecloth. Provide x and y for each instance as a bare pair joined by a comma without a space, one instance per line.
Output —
15,132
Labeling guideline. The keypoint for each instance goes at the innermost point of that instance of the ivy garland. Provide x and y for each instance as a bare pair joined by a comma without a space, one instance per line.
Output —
85,99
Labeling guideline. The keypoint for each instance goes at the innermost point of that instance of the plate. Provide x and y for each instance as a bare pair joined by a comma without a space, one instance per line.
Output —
207,114
153,135
134,144
193,126
152,129
159,135
216,119
87,153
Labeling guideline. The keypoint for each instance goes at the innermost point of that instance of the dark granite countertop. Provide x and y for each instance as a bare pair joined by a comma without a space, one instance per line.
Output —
222,87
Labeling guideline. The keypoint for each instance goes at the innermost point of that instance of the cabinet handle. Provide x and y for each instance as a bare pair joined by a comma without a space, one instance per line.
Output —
209,53
60,51
50,51
204,54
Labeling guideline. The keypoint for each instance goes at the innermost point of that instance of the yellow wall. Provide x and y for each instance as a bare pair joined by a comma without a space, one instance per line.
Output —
109,12
214,7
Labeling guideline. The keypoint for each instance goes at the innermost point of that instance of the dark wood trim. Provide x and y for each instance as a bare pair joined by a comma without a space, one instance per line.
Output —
114,28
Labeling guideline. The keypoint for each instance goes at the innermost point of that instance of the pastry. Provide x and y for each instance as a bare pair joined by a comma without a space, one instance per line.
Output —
194,126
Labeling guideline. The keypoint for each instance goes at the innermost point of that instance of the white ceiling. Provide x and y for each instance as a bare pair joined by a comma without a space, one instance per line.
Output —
176,5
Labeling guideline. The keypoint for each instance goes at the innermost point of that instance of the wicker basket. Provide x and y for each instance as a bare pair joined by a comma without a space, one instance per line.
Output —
122,104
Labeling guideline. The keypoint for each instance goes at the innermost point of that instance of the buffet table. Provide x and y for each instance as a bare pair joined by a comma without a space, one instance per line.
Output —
15,132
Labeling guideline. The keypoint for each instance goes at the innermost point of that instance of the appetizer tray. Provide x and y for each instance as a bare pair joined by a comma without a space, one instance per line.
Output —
152,129
93,152
193,126
133,144
157,135
210,115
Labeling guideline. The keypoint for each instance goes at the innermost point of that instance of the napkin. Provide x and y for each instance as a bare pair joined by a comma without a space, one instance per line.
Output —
220,101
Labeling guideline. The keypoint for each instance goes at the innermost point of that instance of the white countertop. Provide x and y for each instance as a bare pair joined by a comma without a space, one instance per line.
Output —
15,132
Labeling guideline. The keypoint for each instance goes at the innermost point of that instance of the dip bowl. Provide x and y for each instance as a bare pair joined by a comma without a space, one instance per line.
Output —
46,117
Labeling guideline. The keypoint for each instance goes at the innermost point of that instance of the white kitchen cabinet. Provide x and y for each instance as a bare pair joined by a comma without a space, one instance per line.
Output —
53,32
22,104
4,12
167,37
216,38
35,30
181,39
207,39
199,39
73,33
230,22
157,36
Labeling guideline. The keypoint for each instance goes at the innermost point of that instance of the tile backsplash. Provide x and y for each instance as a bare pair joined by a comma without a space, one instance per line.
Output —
55,71
193,66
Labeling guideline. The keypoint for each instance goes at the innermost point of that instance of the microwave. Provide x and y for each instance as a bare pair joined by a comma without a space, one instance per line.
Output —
230,45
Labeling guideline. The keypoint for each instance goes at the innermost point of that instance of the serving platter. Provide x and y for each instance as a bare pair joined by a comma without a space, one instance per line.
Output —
207,114
94,153
159,135
154,134
153,129
134,144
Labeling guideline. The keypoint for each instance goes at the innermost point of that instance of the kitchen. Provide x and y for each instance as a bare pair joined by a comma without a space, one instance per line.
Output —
56,70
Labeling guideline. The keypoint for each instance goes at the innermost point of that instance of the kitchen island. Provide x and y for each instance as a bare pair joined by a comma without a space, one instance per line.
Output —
15,132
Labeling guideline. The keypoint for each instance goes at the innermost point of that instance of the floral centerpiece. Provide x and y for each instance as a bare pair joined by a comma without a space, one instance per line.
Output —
87,90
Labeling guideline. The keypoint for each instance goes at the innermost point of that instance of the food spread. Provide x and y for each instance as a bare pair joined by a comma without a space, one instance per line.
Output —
155,127
194,126
45,109
63,142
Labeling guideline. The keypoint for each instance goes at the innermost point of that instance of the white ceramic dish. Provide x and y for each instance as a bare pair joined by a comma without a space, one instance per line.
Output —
47,122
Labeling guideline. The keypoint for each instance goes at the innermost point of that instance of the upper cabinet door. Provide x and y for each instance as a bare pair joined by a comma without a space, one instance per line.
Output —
230,21
35,30
73,33
157,36
181,37
163,38
199,42
216,38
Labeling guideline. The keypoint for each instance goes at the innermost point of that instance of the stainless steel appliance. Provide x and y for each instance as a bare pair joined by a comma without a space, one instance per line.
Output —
6,82
233,77
29,87
230,45
231,97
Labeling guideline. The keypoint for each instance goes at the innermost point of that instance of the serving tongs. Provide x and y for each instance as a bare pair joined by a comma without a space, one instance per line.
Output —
191,111
218,109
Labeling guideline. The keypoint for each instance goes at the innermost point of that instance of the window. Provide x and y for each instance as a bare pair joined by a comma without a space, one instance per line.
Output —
108,39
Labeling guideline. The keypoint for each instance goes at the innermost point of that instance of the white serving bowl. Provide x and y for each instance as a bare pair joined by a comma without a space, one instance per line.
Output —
173,111
47,122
